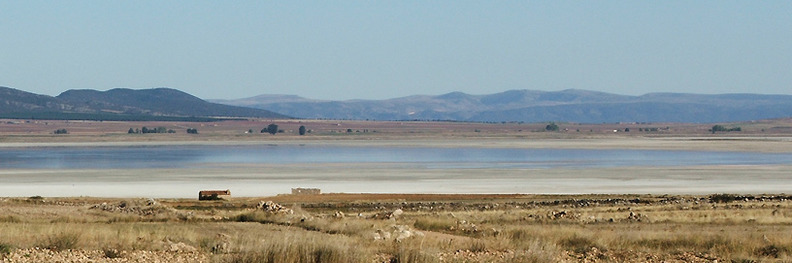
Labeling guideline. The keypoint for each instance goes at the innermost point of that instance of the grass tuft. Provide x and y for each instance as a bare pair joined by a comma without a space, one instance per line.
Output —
61,241
10,219
579,244
410,255
771,251
6,249
434,224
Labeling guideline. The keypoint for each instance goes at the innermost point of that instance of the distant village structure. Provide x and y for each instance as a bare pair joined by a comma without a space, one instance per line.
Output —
306,191
213,194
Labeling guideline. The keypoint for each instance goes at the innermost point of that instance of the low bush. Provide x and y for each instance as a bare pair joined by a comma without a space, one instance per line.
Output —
579,244
434,224
112,253
6,248
61,241
771,251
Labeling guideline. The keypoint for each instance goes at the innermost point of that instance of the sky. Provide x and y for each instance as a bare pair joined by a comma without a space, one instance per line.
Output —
340,50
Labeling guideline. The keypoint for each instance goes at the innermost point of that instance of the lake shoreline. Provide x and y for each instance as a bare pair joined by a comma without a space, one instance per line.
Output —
745,144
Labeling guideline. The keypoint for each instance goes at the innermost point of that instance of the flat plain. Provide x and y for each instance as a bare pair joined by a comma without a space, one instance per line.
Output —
725,213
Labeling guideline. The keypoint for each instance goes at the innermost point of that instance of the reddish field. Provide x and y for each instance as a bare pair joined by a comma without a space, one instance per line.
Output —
43,130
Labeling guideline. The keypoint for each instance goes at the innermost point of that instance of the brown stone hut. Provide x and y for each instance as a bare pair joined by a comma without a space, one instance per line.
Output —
306,191
213,194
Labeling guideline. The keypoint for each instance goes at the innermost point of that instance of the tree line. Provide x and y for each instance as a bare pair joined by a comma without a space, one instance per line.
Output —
274,129
721,128
151,130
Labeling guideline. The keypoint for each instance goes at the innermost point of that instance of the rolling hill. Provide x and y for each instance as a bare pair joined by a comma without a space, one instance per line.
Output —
119,104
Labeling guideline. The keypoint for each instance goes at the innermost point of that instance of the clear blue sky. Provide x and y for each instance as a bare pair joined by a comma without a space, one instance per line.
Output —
385,49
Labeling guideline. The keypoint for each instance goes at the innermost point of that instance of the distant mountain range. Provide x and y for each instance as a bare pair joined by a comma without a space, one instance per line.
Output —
119,104
572,105
580,106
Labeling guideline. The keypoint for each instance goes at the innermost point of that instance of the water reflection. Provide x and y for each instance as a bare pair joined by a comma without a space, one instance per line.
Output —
431,158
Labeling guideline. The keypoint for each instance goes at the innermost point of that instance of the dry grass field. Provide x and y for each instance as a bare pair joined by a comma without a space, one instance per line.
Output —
399,228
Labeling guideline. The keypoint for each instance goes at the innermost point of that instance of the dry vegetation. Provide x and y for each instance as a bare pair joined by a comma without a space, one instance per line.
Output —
399,228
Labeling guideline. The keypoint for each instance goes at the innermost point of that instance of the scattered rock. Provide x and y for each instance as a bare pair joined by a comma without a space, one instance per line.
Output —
397,233
177,247
273,207
388,215
558,215
338,214
396,213
223,243
143,207
401,232
635,217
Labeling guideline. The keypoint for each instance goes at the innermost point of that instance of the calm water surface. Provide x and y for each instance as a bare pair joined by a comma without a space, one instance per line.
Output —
430,158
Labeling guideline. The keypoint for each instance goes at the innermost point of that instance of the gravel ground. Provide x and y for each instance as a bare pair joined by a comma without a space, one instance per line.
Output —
98,256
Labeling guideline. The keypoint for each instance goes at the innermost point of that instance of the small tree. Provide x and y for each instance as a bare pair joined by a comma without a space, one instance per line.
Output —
192,131
551,127
61,131
302,130
131,131
271,129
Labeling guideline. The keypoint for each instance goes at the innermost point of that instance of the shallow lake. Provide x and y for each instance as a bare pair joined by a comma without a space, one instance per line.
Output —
263,170
429,158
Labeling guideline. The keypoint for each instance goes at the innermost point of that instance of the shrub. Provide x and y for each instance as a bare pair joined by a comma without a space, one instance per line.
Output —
112,253
477,246
552,127
579,244
271,129
61,241
6,248
724,198
518,235
247,217
434,224
768,251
